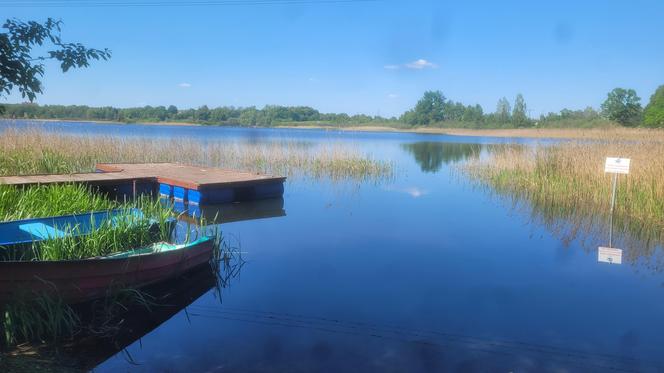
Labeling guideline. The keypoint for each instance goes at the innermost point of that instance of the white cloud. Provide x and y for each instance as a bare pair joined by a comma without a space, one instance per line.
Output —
421,64
184,85
415,65
392,95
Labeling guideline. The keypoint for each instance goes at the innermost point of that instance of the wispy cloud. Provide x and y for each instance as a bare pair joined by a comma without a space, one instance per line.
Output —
419,64
392,95
184,85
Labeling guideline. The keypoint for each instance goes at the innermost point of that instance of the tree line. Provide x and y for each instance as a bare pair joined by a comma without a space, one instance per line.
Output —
622,106
248,116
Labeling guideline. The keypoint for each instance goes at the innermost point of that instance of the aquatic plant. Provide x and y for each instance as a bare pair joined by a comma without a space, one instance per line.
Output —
125,231
566,186
36,151
43,318
49,200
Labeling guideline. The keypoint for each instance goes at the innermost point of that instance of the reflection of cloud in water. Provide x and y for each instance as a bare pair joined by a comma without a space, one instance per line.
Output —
412,191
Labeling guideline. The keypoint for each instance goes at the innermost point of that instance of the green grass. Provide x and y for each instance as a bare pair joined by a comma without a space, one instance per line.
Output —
128,231
566,187
49,200
125,233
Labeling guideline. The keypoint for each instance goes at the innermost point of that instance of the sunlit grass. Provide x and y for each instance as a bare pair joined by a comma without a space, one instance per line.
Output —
567,180
34,151
126,231
53,200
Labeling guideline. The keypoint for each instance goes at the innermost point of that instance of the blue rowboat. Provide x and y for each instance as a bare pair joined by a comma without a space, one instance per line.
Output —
19,234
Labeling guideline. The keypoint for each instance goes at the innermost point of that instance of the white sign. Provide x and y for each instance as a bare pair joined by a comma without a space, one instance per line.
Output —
617,165
609,255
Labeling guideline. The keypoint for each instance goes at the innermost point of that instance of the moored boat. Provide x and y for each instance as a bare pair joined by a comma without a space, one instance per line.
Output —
22,234
85,279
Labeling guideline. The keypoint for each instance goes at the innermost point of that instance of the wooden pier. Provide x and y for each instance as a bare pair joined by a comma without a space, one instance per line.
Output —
187,183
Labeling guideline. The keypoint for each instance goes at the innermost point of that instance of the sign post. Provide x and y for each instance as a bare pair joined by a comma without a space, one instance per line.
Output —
614,166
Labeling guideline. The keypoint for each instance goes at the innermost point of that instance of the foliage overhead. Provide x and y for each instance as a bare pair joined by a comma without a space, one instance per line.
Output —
21,70
623,106
653,115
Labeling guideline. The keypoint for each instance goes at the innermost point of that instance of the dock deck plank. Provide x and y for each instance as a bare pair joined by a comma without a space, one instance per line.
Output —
187,176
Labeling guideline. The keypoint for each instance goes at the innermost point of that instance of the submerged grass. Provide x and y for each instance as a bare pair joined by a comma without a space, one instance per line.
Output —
35,151
567,179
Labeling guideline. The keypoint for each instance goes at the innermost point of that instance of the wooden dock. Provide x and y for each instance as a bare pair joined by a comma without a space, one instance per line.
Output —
188,183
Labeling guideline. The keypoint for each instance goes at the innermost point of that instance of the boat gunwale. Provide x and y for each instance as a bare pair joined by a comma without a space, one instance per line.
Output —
195,243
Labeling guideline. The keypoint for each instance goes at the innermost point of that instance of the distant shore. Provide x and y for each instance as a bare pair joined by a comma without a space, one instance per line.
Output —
608,133
187,124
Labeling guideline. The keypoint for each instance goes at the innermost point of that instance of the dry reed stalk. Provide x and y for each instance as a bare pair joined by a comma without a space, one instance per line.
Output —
568,179
35,151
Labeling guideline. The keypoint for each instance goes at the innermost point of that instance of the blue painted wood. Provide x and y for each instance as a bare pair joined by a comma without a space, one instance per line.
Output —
193,196
179,193
166,190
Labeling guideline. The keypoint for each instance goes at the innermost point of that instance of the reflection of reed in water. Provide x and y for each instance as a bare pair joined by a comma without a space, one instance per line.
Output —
91,332
432,155
563,186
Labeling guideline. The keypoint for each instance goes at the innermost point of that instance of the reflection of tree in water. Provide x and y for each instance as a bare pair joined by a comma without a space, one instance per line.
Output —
431,155
641,242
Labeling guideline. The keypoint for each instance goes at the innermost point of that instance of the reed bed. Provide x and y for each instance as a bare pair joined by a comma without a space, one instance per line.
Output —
567,180
610,133
33,151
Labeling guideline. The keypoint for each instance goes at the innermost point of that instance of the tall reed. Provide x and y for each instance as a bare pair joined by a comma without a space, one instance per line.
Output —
36,151
568,179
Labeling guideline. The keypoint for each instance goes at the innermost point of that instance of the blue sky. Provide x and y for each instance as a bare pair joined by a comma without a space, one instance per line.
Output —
362,57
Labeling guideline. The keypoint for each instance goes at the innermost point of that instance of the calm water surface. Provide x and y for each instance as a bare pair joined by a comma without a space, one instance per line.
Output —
421,273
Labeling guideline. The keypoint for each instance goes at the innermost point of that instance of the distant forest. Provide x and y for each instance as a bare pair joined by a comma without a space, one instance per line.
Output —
621,107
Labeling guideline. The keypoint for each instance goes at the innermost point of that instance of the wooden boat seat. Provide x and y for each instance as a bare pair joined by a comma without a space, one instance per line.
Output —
41,231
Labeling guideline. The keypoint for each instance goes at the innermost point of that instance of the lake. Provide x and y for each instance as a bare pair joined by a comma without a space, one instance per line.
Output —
421,272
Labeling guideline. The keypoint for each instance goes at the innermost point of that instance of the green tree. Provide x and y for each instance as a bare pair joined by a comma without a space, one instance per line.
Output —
519,117
172,111
429,109
503,109
653,115
21,70
623,106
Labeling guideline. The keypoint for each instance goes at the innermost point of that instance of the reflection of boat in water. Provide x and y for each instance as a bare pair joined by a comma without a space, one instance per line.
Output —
85,279
234,212
89,349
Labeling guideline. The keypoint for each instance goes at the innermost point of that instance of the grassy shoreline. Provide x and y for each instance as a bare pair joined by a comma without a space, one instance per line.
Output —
567,183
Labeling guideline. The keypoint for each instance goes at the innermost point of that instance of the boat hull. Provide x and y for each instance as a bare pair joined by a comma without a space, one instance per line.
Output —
80,280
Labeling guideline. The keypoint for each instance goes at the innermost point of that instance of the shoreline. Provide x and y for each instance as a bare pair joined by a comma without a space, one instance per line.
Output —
609,133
